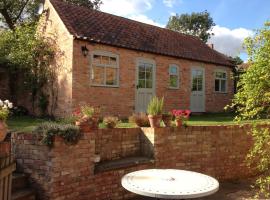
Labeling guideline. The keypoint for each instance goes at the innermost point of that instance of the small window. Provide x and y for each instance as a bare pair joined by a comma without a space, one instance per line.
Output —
220,81
174,76
104,70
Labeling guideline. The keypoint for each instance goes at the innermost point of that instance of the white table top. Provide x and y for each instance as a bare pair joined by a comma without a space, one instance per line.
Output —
170,183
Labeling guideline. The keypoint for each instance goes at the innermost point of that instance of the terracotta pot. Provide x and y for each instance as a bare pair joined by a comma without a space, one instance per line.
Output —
166,118
178,122
3,130
154,120
86,124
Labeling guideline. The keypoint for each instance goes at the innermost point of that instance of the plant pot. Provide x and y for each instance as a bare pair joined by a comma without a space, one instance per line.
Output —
166,118
178,122
3,130
111,125
87,124
154,120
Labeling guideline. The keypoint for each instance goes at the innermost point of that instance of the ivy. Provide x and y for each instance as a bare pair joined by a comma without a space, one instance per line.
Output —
48,130
253,102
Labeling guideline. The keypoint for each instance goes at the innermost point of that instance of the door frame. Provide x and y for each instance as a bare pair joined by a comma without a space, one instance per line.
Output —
137,62
203,84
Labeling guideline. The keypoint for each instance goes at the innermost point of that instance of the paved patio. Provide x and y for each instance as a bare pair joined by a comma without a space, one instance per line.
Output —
230,190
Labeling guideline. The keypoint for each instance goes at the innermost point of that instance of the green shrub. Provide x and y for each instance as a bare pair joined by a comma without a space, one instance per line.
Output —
155,106
70,133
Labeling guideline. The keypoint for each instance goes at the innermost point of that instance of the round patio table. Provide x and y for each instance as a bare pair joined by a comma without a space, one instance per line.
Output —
170,184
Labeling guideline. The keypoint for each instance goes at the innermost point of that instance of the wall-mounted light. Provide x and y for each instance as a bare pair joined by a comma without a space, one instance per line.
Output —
85,51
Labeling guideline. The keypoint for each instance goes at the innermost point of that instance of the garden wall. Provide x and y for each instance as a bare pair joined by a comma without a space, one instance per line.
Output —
70,172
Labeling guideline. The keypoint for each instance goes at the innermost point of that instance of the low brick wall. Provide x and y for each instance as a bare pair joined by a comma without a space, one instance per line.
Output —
112,144
68,171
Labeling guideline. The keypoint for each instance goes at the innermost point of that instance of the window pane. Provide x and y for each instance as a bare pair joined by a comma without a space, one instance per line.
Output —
111,76
98,75
173,70
141,84
113,61
141,75
223,86
148,75
105,60
223,75
173,81
199,87
194,84
97,59
148,84
216,85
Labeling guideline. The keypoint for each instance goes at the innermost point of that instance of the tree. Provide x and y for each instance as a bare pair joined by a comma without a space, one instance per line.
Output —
253,102
197,24
29,54
15,12
237,60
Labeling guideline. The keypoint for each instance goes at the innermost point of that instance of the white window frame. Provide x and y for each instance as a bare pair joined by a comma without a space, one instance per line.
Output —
216,78
178,76
109,54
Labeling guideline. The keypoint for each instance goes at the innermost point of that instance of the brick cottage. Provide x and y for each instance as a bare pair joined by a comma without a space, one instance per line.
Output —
120,64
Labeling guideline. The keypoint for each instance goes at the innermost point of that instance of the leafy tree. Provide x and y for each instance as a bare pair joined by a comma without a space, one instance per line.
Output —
29,54
237,60
15,12
253,102
198,24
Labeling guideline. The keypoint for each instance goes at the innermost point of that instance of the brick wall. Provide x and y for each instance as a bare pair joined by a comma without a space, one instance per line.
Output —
117,143
68,171
122,98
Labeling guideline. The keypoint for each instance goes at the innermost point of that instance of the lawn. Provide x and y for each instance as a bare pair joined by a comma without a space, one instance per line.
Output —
26,124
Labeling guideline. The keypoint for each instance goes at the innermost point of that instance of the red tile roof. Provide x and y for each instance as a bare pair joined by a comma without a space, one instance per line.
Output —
104,28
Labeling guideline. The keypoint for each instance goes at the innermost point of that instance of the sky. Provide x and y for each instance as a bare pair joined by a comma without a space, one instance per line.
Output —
234,19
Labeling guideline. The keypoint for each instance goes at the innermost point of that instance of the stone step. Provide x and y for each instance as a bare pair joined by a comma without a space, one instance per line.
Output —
23,194
19,181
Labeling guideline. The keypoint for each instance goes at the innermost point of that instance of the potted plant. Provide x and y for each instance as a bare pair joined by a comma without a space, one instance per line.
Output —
181,116
87,116
167,118
154,111
140,119
110,122
4,112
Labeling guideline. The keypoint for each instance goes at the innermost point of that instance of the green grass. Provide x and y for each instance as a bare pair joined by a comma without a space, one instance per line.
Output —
24,124
27,124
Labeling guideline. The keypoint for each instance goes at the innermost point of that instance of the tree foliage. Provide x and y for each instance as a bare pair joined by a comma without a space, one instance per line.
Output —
198,24
253,101
29,54
15,12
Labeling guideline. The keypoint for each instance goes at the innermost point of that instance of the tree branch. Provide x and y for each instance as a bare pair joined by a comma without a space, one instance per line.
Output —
8,19
20,12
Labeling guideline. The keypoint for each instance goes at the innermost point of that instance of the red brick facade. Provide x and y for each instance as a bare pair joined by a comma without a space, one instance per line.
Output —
74,77
69,171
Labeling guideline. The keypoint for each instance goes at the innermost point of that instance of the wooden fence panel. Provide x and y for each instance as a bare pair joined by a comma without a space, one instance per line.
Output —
7,166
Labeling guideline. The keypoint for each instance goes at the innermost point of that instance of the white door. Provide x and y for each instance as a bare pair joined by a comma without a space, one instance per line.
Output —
197,99
145,84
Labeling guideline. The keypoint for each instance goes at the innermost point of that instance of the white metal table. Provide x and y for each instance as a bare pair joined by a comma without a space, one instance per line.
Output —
170,184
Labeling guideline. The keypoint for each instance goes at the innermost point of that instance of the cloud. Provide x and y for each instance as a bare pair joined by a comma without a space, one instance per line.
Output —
169,3
229,41
126,7
145,19
132,9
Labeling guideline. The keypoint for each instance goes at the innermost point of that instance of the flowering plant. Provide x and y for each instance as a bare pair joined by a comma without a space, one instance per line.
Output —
86,111
4,109
181,114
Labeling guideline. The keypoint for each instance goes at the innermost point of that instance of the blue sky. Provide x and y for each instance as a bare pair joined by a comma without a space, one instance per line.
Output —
235,19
